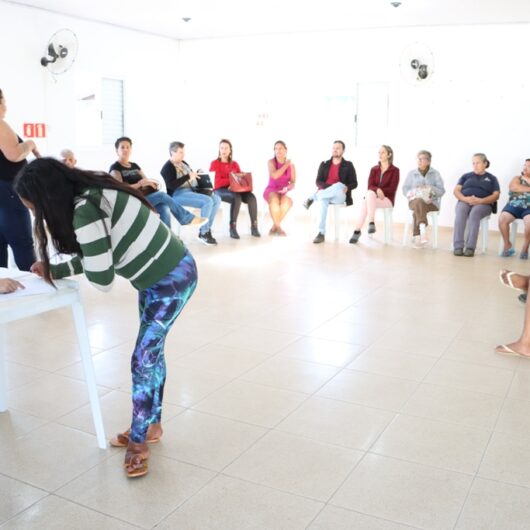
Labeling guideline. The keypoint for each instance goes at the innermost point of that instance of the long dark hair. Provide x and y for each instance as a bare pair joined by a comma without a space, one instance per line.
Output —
225,141
53,188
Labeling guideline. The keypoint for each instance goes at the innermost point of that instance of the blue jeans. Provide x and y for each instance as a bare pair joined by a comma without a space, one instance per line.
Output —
333,194
208,205
165,206
15,229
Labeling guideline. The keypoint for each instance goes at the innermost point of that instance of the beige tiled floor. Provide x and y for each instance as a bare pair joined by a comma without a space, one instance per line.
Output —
309,387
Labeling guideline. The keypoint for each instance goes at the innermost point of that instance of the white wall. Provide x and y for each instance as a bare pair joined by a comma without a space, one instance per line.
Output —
145,62
199,91
476,101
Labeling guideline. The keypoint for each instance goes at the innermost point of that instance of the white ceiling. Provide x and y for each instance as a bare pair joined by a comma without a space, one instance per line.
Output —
223,18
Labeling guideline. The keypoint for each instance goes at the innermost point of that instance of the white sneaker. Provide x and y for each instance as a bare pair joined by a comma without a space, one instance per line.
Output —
416,242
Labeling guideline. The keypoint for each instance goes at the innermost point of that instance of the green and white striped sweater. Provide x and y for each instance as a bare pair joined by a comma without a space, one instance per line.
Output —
120,235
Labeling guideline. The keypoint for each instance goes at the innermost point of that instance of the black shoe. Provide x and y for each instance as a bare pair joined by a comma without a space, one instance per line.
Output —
469,252
207,238
458,252
319,239
522,298
355,237
254,230
233,231
307,203
371,228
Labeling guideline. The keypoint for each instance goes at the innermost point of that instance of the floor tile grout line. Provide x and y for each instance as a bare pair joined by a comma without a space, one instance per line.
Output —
493,431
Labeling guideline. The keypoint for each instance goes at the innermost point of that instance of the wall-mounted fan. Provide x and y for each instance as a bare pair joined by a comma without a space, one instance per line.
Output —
417,64
60,52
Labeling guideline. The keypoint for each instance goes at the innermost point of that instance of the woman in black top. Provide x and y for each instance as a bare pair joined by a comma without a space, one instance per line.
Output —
15,222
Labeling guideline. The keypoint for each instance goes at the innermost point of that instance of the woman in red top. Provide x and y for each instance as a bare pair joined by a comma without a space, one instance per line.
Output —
223,166
382,185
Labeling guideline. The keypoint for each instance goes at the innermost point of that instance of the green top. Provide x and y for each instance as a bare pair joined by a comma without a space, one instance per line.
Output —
118,234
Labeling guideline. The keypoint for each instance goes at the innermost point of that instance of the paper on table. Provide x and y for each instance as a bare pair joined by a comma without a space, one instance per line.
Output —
33,285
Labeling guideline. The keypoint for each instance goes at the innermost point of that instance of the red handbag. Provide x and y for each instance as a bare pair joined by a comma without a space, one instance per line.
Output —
240,182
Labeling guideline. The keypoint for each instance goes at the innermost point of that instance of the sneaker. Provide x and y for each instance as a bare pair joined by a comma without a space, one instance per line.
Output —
199,221
320,238
307,203
522,298
458,252
207,238
469,252
355,237
371,228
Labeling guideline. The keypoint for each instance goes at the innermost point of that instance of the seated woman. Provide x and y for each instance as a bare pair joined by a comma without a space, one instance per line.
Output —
223,166
181,183
517,208
423,188
282,176
382,185
131,173
476,193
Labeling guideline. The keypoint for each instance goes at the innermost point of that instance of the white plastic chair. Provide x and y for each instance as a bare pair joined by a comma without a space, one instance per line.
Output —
434,226
388,228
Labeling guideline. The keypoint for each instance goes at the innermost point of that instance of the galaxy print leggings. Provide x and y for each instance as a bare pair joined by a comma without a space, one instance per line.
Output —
159,306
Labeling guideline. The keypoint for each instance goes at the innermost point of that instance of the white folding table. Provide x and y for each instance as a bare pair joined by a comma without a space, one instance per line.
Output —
67,294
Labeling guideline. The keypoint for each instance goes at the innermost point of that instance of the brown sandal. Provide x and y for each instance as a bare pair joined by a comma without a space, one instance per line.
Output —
136,464
122,439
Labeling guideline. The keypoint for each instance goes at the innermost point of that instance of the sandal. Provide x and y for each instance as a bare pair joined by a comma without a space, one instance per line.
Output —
122,439
136,464
502,349
508,253
523,255
506,279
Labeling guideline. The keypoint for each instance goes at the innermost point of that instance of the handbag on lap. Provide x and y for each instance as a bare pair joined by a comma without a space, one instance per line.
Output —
240,182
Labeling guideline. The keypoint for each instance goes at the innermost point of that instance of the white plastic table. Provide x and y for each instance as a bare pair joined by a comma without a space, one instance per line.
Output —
67,294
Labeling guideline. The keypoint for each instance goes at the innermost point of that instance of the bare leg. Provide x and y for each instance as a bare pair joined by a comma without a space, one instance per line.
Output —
526,243
522,345
504,228
274,209
286,204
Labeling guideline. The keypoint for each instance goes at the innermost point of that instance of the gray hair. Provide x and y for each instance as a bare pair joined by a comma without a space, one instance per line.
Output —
175,146
423,152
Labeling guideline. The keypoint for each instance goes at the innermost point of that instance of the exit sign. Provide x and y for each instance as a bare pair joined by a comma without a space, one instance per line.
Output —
34,130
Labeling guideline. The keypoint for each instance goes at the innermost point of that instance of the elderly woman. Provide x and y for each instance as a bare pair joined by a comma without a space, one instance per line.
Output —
382,185
476,193
423,188
517,208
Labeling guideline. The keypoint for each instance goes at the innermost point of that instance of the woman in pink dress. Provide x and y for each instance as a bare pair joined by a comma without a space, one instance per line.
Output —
282,176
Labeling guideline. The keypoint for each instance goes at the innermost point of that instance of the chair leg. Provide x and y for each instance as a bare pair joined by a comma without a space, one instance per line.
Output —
388,225
434,224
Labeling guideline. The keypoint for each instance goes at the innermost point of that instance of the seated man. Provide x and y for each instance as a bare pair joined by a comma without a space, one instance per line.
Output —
68,158
517,208
181,184
423,188
335,181
131,173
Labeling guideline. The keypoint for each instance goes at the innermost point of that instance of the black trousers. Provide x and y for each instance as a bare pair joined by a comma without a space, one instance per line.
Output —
235,199
15,229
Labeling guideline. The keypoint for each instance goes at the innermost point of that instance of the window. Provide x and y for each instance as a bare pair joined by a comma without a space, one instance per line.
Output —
111,109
